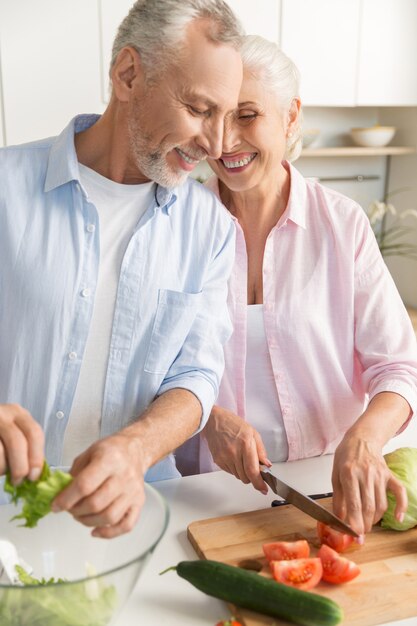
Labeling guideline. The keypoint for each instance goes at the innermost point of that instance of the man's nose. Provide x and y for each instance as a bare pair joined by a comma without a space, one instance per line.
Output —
213,140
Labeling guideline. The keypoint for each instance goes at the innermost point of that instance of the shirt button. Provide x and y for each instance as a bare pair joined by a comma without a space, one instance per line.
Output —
72,356
86,292
60,415
90,228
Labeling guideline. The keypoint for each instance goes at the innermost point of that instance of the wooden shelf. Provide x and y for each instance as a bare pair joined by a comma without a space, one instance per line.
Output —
350,151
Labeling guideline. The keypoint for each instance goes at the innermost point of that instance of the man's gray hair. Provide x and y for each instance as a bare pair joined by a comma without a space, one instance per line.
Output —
155,28
279,75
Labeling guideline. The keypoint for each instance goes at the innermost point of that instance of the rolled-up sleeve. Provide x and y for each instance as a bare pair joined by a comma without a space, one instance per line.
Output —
199,365
384,337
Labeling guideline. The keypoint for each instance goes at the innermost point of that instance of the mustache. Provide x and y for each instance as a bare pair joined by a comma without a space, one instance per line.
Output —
198,155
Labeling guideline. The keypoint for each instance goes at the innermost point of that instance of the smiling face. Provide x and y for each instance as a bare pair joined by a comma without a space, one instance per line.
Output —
175,122
255,138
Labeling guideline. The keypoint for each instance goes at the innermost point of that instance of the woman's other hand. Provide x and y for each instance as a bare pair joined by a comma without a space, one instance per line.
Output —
236,447
361,479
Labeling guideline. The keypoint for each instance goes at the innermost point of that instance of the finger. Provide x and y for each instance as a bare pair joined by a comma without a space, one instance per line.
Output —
98,501
85,483
112,515
124,526
3,460
240,467
338,500
381,501
251,465
35,438
352,504
397,488
367,491
261,450
16,450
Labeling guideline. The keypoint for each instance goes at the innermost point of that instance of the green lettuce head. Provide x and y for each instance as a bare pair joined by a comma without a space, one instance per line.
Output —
403,464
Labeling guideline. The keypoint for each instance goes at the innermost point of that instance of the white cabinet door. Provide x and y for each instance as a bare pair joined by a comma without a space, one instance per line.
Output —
321,37
388,53
259,17
50,65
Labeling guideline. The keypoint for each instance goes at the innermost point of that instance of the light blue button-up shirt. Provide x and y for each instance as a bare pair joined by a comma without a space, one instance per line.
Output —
170,319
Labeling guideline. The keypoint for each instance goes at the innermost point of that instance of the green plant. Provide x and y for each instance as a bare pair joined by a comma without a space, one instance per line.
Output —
392,238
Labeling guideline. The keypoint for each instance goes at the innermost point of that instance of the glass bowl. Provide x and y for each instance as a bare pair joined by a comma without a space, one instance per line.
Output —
99,574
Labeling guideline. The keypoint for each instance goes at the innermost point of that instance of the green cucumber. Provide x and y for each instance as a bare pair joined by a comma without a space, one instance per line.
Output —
249,590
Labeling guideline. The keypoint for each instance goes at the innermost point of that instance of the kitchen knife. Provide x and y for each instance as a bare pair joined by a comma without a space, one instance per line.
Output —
305,503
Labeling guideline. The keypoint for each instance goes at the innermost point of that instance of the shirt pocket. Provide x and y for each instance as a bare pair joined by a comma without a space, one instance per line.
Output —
174,317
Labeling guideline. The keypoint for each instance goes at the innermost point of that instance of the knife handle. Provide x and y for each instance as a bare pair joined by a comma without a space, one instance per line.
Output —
313,496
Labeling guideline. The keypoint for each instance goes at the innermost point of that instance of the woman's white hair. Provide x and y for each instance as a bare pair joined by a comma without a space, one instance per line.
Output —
156,28
280,76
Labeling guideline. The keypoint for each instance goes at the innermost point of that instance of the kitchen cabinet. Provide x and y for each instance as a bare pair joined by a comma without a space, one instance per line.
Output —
50,65
321,37
353,53
388,53
259,18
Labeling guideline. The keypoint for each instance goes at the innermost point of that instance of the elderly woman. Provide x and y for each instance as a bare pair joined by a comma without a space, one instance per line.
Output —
323,357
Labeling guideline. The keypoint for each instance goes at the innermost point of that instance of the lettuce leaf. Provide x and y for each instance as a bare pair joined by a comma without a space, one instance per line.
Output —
56,605
403,464
37,495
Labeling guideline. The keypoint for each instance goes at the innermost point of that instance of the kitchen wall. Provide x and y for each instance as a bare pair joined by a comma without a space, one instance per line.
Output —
54,58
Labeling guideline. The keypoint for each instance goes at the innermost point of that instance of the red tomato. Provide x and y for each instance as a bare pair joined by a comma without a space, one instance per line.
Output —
333,538
286,550
301,573
336,568
229,622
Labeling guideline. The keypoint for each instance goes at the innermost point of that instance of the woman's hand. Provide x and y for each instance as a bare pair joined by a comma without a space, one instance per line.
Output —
361,477
360,480
236,447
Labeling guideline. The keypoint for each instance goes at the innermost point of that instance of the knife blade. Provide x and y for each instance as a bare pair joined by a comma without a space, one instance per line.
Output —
305,503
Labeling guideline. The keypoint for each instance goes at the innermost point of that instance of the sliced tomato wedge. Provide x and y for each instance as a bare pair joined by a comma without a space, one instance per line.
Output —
333,538
301,573
286,550
337,569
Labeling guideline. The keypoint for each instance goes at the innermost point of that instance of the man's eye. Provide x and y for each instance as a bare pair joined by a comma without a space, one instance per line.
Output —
196,111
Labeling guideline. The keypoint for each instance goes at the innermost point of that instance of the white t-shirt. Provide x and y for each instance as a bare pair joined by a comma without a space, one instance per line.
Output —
119,208
263,410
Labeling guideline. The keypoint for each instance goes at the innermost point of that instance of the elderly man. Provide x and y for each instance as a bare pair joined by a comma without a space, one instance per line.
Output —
113,269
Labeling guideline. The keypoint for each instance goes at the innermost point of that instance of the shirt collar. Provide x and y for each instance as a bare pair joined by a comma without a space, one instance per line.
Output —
295,210
63,163
296,207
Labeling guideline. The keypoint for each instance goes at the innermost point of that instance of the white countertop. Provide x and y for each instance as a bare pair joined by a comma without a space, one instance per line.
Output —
172,601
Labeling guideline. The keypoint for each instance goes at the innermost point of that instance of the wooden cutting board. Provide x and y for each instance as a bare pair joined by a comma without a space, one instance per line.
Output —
386,589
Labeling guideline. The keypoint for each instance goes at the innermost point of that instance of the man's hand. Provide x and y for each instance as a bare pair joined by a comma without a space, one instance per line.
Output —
360,480
236,447
21,444
107,492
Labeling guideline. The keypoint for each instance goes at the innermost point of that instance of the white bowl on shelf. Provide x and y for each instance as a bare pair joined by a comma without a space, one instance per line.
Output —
373,136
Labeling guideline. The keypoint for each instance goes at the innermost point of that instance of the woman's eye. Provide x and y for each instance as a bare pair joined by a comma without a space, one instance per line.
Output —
247,115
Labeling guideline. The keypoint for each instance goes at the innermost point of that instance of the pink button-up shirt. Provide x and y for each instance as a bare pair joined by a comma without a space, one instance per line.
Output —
337,330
